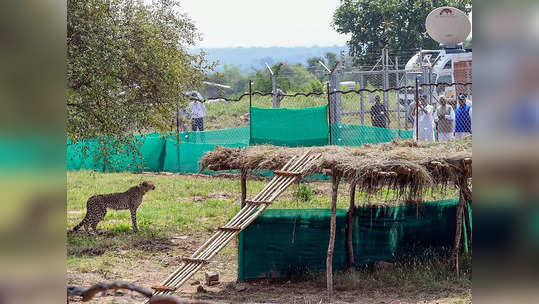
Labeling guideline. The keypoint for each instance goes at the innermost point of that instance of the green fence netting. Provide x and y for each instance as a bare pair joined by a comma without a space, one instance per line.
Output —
89,155
356,135
283,243
156,152
284,127
290,127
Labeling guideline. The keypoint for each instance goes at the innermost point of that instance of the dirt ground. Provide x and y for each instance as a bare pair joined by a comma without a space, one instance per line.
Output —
150,270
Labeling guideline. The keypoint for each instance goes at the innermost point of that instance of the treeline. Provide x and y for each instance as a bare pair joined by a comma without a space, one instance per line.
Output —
297,77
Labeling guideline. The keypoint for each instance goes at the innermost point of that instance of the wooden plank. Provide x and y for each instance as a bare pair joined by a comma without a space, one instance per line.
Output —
233,229
195,261
286,173
258,203
164,288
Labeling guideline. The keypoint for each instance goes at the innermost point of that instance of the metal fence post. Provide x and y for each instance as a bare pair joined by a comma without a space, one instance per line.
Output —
385,77
468,80
361,97
250,105
334,80
274,90
416,109
397,80
329,114
273,86
406,102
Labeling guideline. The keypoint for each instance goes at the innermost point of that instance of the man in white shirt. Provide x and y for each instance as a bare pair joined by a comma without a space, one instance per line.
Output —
197,112
425,120
445,116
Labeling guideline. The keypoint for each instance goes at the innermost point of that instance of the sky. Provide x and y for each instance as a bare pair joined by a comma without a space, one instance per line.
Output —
263,23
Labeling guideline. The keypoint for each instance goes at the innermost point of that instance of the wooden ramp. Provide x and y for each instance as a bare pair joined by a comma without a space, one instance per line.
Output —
283,178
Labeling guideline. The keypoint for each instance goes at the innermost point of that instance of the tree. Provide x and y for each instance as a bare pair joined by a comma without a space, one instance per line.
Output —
230,75
398,25
331,59
127,66
468,43
314,67
290,78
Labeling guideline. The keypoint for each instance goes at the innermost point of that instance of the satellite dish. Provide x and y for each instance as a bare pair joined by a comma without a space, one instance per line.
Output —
448,25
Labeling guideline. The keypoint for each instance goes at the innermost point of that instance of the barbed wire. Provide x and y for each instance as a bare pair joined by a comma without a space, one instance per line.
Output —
308,94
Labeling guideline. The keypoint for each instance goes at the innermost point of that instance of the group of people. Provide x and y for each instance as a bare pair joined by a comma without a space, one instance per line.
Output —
196,112
448,122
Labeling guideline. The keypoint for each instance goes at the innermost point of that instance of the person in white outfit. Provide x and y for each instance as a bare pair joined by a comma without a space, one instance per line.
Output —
445,116
425,120
197,112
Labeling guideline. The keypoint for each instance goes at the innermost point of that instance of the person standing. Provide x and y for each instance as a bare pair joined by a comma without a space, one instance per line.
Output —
180,120
446,120
463,119
425,120
197,112
379,114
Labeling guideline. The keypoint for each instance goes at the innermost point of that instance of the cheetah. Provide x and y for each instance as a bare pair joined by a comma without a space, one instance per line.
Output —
96,206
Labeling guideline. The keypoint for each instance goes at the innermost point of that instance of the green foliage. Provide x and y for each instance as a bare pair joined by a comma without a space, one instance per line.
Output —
230,75
314,67
394,24
304,193
331,59
468,43
127,64
290,78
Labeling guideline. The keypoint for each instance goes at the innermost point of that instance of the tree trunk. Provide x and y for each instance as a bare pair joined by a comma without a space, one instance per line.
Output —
243,187
335,179
350,232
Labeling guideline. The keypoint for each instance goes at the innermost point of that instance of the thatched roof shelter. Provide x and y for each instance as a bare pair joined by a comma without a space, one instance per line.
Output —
407,166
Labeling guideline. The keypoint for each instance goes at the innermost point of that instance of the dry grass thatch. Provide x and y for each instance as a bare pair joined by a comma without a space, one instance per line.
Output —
406,166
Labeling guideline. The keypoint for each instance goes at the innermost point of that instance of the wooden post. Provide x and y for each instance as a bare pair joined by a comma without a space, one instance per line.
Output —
458,230
243,187
350,232
468,227
335,179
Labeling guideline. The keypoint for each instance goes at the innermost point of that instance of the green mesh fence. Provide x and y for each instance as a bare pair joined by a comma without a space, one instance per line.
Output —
284,127
89,155
290,127
356,135
156,152
283,243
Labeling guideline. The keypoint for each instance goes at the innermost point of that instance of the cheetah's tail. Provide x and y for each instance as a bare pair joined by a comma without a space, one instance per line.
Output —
80,224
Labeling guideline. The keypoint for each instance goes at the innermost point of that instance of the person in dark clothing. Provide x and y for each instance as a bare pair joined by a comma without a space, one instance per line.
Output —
379,114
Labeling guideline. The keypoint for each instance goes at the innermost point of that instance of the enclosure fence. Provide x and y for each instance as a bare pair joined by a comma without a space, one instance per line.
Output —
339,115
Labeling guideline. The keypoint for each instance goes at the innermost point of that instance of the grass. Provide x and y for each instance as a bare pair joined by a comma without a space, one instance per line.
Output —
184,210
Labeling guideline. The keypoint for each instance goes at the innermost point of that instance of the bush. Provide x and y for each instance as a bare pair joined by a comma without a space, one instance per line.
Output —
305,193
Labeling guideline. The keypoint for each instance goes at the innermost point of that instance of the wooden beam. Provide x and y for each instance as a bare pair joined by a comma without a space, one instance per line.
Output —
164,288
350,232
458,229
233,229
286,173
243,178
258,203
335,179
386,174
195,261
468,228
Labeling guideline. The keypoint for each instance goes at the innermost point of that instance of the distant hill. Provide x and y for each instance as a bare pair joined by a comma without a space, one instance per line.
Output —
247,57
